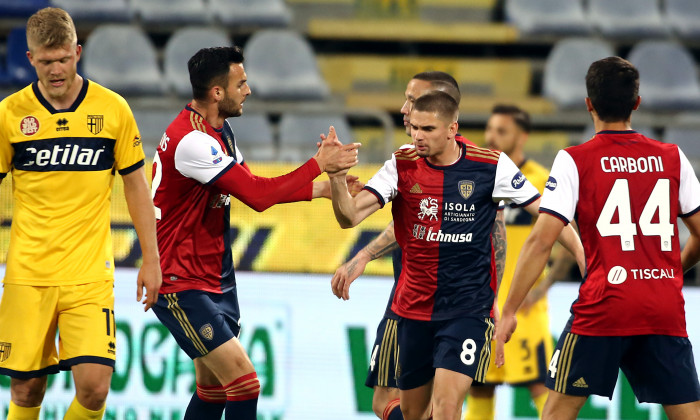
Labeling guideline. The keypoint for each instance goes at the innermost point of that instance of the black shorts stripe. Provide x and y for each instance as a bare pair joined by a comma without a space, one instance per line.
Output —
564,363
189,330
485,355
387,349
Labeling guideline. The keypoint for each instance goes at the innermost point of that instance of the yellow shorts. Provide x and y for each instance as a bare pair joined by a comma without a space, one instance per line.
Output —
527,353
30,316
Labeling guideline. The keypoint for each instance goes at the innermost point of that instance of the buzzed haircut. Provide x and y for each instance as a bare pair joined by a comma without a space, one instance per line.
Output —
51,27
613,88
209,67
442,104
521,117
441,81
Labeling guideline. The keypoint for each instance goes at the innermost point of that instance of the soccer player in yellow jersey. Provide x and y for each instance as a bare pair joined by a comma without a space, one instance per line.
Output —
63,138
527,354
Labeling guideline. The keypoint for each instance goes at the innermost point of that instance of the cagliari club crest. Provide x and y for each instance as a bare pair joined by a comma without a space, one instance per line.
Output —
207,332
466,188
95,123
5,351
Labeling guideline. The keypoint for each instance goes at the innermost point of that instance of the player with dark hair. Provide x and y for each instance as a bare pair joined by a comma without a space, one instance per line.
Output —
446,195
626,192
381,376
508,130
64,138
197,168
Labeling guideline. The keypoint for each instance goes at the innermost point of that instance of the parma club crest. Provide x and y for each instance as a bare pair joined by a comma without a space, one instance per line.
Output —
466,188
5,351
95,123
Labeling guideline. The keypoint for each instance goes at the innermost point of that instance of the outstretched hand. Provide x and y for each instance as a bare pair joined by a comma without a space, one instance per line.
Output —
333,157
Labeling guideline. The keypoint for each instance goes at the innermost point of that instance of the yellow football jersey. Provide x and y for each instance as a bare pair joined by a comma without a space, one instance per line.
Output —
63,164
518,226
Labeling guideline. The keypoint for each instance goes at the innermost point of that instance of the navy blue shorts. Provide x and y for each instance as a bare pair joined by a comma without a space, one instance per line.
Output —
382,366
660,368
200,321
461,345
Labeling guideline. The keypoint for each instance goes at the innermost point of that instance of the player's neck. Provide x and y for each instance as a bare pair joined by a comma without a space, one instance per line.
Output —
209,111
450,155
66,100
611,126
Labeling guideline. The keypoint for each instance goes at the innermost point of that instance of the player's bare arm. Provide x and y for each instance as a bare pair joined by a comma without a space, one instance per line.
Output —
532,260
322,189
384,243
568,237
559,269
498,234
690,254
140,204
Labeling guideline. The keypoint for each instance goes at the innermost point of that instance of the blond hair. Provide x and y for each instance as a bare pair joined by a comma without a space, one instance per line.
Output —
51,27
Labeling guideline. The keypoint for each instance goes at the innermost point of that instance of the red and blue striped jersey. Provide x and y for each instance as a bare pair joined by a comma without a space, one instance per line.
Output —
443,217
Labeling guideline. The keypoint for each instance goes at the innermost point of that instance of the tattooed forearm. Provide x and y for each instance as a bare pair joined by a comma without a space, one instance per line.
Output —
499,245
352,265
382,244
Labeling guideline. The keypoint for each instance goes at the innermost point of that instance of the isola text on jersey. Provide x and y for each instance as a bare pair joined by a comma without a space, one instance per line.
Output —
632,165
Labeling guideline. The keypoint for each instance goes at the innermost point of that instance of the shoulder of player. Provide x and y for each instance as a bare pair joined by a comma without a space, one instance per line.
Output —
102,94
406,152
21,97
481,154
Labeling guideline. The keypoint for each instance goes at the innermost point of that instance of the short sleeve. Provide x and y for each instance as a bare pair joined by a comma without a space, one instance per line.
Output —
511,185
561,190
689,188
128,151
199,156
384,184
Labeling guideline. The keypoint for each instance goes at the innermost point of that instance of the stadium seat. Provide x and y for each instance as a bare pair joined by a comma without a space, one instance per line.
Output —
668,78
687,138
21,8
254,137
557,17
566,67
282,66
684,17
182,45
171,11
257,13
627,18
96,11
19,70
122,58
152,124
298,133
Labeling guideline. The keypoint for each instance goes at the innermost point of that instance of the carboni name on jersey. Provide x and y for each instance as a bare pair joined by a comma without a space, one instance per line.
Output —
64,154
632,165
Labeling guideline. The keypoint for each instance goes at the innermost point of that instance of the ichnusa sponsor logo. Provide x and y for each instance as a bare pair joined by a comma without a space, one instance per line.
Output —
441,236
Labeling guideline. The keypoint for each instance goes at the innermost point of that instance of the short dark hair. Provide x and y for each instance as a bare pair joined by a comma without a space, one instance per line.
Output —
521,117
438,102
613,87
441,81
210,66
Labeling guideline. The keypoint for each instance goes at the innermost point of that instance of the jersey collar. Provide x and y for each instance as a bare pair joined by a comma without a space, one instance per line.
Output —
51,109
